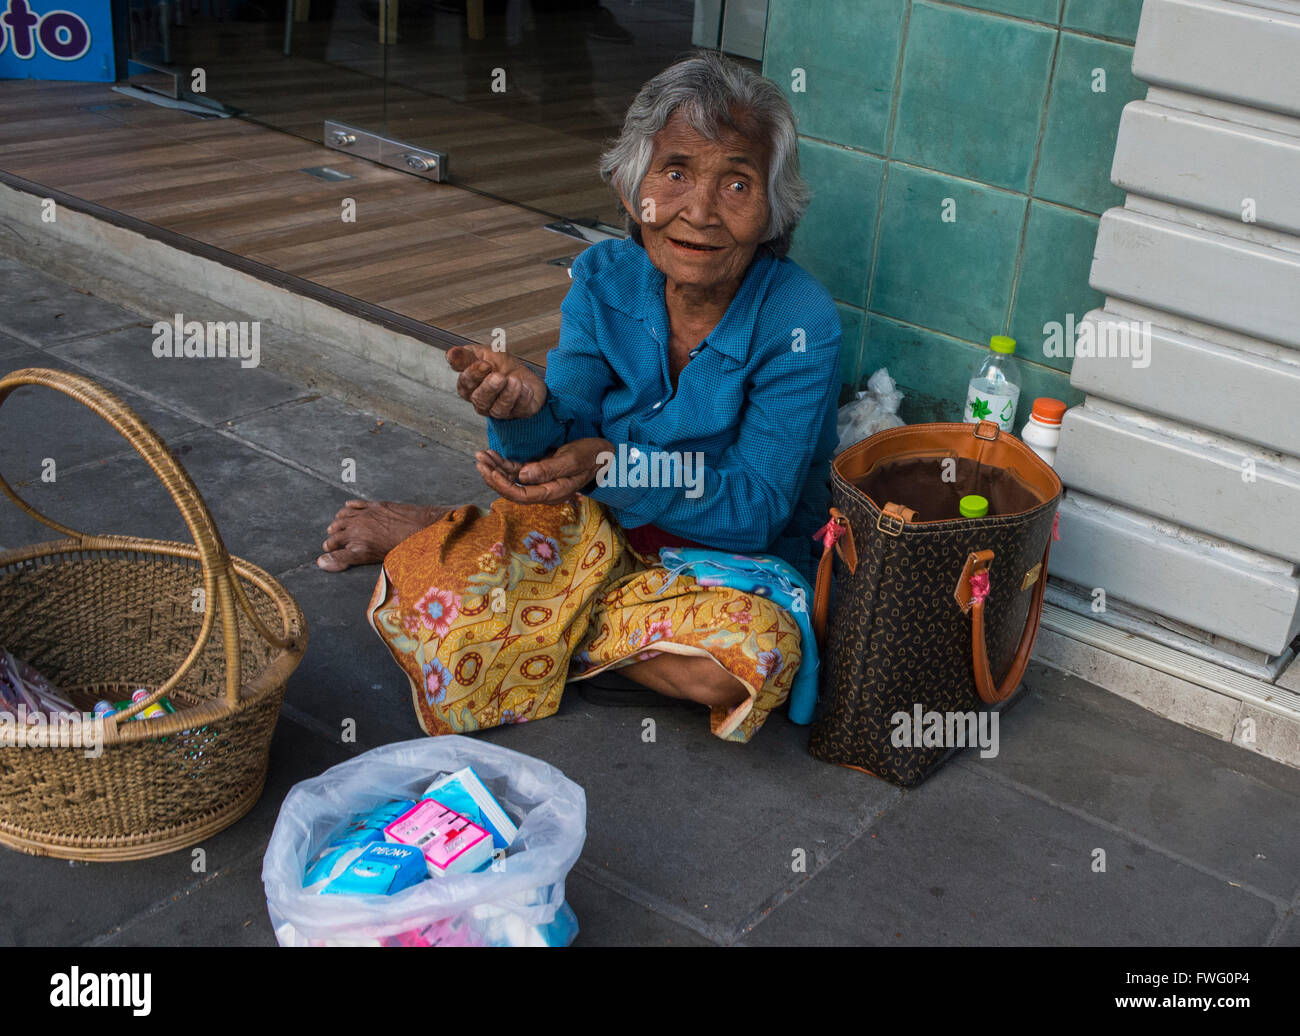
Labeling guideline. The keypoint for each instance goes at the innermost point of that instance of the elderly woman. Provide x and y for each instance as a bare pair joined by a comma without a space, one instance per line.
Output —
693,353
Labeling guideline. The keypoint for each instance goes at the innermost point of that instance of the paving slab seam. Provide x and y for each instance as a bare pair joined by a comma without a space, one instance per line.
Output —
97,462
823,860
35,343
1279,927
184,892
266,451
323,730
1278,904
170,405
717,934
647,900
221,424
177,408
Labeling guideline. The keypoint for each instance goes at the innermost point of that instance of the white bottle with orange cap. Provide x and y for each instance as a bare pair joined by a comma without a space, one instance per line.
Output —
1042,432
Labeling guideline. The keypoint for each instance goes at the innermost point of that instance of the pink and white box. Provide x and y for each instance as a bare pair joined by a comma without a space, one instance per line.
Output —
451,843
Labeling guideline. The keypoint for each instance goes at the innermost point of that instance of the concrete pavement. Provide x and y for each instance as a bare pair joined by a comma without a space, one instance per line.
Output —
690,840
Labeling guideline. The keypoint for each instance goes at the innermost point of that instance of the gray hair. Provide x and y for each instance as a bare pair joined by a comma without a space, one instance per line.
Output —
714,94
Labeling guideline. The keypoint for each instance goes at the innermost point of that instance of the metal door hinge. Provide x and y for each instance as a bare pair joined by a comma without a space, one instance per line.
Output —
396,154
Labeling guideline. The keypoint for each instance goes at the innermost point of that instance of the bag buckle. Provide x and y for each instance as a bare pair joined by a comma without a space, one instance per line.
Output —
993,425
889,524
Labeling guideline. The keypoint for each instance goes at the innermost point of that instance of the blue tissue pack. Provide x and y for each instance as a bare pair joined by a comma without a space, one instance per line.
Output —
382,869
361,830
368,827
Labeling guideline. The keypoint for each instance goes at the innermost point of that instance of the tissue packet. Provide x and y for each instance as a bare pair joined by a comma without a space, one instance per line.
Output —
382,869
451,843
332,862
368,827
464,792
360,831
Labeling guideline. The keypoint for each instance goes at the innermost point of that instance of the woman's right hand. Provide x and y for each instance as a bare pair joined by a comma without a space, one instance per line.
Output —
497,384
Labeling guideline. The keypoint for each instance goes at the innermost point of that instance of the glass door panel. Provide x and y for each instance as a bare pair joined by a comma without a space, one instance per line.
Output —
519,95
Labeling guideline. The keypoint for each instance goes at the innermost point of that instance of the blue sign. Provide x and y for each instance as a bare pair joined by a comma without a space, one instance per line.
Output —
48,39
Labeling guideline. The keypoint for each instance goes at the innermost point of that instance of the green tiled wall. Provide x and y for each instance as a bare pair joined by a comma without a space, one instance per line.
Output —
959,156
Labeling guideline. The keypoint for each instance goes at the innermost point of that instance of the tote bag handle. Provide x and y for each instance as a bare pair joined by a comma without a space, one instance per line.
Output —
972,600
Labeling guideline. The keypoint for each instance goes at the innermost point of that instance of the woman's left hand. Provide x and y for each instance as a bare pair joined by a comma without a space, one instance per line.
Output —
549,480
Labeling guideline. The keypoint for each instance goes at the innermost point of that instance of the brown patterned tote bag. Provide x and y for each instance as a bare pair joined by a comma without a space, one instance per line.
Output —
928,605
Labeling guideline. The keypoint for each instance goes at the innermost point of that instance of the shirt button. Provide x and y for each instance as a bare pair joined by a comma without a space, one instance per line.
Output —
694,352
657,405
633,453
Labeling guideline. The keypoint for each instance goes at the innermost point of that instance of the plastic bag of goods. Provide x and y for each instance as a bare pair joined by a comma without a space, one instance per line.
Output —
871,411
516,899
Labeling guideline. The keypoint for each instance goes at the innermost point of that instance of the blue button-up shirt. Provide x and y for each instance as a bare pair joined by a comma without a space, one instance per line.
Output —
757,399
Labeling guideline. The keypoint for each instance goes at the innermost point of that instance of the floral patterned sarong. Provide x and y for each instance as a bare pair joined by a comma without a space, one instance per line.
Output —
490,613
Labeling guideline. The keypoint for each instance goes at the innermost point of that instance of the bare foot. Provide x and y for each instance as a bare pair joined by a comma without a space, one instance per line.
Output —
364,531
695,678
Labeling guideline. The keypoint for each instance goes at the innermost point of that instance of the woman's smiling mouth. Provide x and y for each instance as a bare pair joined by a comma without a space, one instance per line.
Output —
692,246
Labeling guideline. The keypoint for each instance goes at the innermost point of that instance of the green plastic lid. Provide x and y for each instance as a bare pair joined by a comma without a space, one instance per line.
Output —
973,506
1002,344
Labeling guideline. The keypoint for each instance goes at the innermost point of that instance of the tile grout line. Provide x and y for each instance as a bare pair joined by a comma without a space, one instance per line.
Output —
1129,836
1058,24
961,341
267,451
1033,180
959,177
32,342
869,275
94,463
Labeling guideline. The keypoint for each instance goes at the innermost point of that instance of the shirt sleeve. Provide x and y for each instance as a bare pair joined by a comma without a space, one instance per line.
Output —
746,498
577,378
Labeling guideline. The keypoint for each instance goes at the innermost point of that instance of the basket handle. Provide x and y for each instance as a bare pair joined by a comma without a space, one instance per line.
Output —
220,586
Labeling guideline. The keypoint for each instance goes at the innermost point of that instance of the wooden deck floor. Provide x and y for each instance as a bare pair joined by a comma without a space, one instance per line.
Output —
458,260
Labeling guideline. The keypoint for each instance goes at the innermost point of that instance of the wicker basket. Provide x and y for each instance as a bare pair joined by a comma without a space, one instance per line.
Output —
103,615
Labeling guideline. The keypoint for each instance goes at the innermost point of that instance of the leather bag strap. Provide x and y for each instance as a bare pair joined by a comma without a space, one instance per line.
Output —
990,692
836,533
839,534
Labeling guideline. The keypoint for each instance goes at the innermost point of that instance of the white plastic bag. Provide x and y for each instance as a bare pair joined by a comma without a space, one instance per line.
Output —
510,903
871,411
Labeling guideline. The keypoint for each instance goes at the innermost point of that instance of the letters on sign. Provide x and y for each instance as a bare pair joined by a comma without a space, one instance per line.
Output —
60,34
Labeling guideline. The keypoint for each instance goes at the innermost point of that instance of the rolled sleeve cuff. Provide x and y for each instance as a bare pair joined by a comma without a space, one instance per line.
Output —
527,438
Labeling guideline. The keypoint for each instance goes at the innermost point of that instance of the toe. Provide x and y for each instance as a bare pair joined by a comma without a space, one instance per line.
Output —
332,562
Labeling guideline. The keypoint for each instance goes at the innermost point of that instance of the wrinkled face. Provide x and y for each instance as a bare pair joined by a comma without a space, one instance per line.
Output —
704,206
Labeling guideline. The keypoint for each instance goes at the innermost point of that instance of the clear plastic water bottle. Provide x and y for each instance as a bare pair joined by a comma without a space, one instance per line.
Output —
995,389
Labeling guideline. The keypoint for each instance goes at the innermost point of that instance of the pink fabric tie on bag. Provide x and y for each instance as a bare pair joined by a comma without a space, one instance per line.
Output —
829,534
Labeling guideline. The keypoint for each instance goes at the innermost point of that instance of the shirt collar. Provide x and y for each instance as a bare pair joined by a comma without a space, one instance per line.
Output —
635,286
